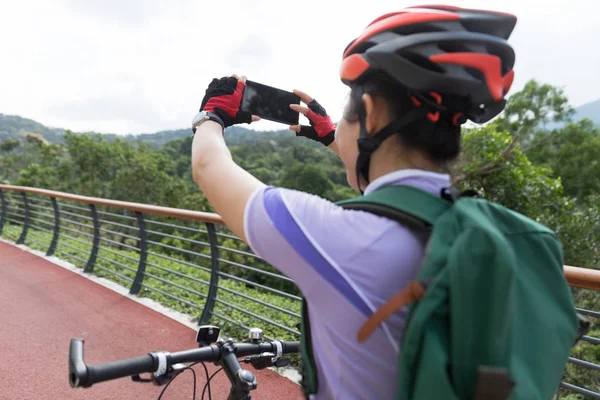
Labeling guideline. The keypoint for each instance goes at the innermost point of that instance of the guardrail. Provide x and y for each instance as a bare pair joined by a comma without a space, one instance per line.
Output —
184,259
189,261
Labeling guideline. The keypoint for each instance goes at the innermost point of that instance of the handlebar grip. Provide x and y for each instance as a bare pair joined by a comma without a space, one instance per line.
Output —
77,368
82,375
120,369
291,347
244,349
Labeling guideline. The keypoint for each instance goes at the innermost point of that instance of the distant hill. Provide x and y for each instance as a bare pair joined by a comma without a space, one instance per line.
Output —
234,135
154,139
15,127
590,111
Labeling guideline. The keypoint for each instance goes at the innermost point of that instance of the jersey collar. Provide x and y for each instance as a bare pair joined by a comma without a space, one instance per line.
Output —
394,177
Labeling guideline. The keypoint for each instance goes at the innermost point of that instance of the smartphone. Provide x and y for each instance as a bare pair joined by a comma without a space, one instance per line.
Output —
270,103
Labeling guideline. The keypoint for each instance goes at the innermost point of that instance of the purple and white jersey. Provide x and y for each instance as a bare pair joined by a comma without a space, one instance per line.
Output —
347,263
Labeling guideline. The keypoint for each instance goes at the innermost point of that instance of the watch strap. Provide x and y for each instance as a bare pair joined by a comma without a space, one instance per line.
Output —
212,117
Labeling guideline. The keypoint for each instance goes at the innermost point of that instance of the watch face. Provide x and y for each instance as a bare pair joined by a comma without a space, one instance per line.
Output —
201,116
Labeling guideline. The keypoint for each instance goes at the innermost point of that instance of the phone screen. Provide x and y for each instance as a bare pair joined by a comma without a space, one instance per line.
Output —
270,103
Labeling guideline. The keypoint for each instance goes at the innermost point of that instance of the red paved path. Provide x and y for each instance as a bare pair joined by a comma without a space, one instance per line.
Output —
44,306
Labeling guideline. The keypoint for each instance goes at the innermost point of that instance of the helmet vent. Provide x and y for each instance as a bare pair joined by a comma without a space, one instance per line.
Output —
414,29
363,47
454,48
475,73
422,61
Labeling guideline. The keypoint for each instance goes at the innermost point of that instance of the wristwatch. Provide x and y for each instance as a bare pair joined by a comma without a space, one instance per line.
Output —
203,116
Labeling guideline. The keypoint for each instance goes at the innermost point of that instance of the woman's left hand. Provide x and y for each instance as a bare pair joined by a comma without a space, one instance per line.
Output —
321,128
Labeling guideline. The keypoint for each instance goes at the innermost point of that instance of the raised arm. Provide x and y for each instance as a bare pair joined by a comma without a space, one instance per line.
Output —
225,184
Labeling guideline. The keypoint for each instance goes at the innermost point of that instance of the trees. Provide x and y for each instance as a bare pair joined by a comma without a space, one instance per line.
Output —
532,108
9,145
307,178
148,177
573,153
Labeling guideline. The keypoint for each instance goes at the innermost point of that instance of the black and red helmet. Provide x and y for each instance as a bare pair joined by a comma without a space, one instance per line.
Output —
442,50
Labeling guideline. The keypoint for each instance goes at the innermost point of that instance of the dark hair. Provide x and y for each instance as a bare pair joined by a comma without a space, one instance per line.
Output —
439,140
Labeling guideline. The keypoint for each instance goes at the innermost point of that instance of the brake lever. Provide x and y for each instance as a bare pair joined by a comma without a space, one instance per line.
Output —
138,378
265,360
282,362
159,380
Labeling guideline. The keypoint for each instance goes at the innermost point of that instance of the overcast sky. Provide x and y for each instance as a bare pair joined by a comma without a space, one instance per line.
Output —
139,66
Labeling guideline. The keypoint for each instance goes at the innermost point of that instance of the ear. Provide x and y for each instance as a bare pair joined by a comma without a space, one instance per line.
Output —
375,110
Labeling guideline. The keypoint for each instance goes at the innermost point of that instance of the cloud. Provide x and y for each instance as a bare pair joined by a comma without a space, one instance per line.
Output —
123,12
252,53
121,103
132,66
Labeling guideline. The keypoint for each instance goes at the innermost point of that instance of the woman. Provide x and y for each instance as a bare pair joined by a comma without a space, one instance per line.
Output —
415,76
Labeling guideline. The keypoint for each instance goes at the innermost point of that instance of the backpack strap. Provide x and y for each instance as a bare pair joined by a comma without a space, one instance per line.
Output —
413,292
493,383
417,210
410,206
309,381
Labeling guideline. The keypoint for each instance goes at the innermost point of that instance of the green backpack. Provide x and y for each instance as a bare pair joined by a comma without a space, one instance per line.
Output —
491,317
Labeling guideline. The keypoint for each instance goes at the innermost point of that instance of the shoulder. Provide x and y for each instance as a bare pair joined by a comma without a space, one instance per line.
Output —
304,219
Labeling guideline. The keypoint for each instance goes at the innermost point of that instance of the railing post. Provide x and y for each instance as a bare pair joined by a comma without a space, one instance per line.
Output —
54,241
89,267
21,239
3,215
214,275
136,286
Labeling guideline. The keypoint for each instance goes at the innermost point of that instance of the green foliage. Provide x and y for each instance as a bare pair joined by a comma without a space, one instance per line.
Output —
515,183
307,178
573,153
9,145
531,108
37,176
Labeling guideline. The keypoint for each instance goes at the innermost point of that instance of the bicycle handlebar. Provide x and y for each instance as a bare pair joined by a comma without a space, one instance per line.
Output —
82,375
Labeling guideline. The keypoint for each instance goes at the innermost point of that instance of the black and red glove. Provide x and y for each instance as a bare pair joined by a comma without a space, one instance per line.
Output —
321,128
223,97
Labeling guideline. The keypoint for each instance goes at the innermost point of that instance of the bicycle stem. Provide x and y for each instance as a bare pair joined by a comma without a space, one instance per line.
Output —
242,381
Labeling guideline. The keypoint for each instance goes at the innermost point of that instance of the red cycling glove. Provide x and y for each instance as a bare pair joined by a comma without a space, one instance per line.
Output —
321,128
223,98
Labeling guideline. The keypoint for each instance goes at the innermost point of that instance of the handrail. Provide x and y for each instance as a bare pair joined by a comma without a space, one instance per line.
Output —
136,207
583,278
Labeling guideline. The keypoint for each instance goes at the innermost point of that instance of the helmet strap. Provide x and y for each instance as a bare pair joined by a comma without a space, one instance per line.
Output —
367,145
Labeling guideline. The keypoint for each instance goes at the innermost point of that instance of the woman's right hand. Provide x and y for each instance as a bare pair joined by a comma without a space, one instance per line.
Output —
321,128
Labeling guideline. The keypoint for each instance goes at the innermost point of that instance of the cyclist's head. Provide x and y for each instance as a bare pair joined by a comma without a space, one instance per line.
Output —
422,72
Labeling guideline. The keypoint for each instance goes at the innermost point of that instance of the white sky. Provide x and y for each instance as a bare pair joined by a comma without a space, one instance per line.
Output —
139,66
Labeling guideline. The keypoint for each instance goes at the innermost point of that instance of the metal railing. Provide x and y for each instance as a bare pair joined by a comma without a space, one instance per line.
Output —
189,261
184,259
